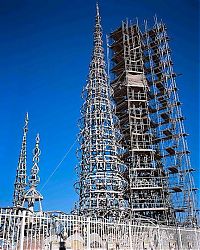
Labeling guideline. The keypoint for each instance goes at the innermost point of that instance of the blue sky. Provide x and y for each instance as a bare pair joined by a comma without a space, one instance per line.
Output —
45,49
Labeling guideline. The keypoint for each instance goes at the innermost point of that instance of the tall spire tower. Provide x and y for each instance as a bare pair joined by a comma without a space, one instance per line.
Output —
32,195
20,181
101,183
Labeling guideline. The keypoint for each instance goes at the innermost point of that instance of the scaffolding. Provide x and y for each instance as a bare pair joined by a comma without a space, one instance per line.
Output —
147,105
169,134
147,180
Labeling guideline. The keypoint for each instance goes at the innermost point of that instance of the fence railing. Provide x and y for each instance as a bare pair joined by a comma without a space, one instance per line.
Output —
24,230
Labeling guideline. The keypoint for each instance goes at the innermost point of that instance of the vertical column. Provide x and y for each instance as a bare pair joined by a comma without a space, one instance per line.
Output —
130,235
21,242
88,234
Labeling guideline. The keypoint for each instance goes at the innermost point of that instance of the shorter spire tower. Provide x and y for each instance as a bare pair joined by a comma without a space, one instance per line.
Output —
32,195
20,181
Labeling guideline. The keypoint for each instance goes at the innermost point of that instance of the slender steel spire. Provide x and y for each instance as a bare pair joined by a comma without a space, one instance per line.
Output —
32,195
101,184
20,181
98,61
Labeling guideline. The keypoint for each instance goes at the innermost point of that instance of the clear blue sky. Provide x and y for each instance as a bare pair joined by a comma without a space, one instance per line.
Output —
45,49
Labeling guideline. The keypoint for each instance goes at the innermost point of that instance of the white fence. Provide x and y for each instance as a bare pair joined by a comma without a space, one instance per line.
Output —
23,230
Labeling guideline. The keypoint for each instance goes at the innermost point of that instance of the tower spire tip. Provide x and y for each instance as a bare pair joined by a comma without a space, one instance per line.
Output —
38,137
97,8
26,117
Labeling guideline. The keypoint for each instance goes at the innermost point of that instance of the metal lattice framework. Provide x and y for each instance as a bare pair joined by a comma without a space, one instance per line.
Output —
147,105
101,185
32,195
20,181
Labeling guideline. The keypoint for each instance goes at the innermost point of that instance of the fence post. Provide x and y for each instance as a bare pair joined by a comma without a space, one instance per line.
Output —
21,242
197,241
130,236
180,238
160,240
88,233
